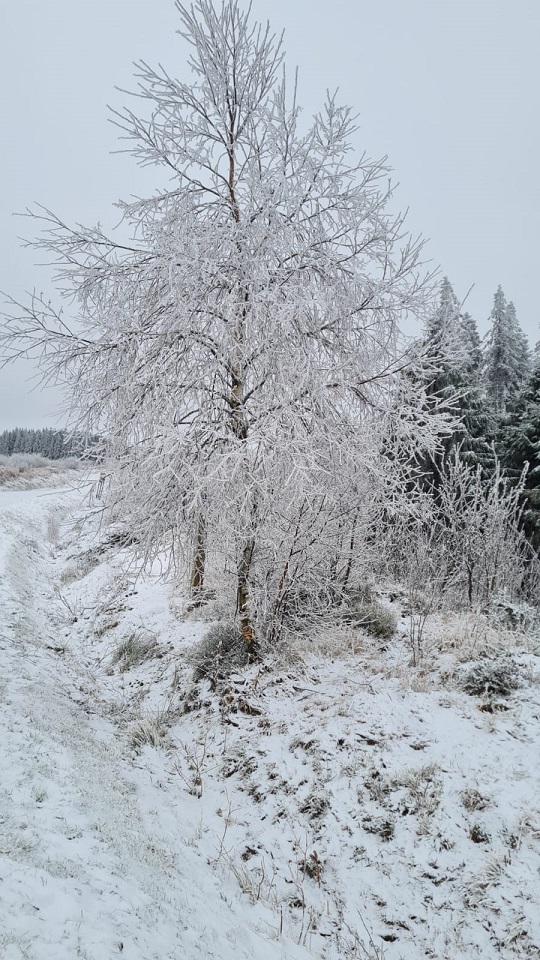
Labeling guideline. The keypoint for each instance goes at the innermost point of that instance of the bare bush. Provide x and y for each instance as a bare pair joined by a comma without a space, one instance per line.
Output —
472,799
466,550
484,552
374,617
148,732
220,652
135,649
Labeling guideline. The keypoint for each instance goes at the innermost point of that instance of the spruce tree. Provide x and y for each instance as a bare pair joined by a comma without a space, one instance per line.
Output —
457,384
519,444
507,356
472,343
522,352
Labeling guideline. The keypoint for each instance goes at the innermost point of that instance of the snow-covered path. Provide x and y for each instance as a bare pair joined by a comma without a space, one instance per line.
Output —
80,873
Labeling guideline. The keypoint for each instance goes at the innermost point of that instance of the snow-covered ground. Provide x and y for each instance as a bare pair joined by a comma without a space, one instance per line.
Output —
339,804
20,473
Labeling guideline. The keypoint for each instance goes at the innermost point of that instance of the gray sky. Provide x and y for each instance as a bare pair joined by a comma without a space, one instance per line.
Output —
448,89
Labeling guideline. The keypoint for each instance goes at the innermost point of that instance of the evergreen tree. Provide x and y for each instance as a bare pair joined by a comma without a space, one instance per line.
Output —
453,338
519,444
507,356
445,321
52,444
522,350
472,343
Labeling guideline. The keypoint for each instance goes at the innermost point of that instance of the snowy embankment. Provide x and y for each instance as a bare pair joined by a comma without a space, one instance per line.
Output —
92,864
33,472
340,805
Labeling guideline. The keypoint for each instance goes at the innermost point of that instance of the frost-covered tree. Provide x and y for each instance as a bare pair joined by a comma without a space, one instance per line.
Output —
519,448
468,546
444,323
482,550
240,349
522,350
507,355
452,337
53,444
472,344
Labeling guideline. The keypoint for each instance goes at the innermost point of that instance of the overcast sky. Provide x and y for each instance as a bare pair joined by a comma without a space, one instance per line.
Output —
448,89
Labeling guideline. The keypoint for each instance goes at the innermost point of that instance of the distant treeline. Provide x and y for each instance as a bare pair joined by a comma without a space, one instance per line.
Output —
53,444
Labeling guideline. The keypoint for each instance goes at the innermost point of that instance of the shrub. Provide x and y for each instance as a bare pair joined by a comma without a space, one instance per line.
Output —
312,866
516,616
378,620
358,594
315,805
479,834
303,605
472,799
148,732
492,677
383,827
221,651
135,649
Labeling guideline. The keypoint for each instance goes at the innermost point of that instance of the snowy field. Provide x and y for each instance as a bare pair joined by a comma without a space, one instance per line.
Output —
22,472
341,804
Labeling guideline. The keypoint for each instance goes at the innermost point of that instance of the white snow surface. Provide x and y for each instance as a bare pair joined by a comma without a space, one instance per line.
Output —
337,804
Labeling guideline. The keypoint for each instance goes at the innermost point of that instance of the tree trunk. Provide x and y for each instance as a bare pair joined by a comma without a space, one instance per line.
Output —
239,427
243,598
199,560
348,569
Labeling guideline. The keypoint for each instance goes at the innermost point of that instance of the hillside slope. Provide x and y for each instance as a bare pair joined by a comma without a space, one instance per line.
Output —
335,803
